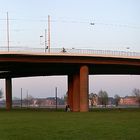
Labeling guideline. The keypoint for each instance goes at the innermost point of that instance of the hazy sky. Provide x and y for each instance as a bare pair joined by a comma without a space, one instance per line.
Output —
117,27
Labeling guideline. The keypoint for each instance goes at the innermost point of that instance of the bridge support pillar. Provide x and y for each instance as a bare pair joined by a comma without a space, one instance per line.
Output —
76,93
8,85
84,84
70,91
78,90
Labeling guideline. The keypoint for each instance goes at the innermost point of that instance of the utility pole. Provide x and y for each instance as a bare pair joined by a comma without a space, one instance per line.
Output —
8,31
49,44
27,100
21,97
56,97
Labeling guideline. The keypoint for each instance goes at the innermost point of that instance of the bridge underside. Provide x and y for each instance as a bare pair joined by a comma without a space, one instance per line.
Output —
77,69
77,85
27,70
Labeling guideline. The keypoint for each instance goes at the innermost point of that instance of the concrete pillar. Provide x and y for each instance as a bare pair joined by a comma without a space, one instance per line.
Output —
78,84
76,93
8,84
70,92
84,103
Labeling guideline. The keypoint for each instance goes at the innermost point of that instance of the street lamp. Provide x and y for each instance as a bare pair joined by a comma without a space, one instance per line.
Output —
41,40
128,48
92,23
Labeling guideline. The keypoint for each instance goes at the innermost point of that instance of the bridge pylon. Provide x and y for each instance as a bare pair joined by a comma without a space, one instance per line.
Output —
8,83
78,90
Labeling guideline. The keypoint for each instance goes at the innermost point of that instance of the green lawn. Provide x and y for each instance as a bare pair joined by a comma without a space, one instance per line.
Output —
46,125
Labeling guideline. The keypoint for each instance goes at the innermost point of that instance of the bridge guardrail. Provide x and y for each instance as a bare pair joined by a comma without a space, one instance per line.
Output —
71,51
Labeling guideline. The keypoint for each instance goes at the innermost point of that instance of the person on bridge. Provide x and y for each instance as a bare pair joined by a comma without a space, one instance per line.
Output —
64,50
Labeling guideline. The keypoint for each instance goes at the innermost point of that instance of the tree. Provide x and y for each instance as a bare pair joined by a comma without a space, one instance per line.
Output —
117,99
1,94
103,97
136,93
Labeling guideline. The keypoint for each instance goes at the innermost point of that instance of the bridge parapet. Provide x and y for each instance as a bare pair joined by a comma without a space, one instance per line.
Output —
71,51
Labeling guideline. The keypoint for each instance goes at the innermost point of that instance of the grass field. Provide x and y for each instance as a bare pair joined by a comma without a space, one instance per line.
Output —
50,125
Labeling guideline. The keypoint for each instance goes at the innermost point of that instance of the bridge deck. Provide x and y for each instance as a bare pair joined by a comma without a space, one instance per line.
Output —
70,51
124,55
26,63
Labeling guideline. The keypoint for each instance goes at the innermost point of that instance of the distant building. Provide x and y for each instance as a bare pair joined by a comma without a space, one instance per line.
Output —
35,102
94,100
51,101
128,100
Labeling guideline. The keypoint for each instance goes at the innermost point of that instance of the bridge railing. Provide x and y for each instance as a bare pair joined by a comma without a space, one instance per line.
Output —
71,51
94,52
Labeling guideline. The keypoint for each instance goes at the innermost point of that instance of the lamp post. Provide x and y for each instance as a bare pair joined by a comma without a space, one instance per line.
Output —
45,40
46,47
41,36
128,51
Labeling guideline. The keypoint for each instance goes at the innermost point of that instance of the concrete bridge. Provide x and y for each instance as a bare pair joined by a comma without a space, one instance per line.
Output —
76,64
